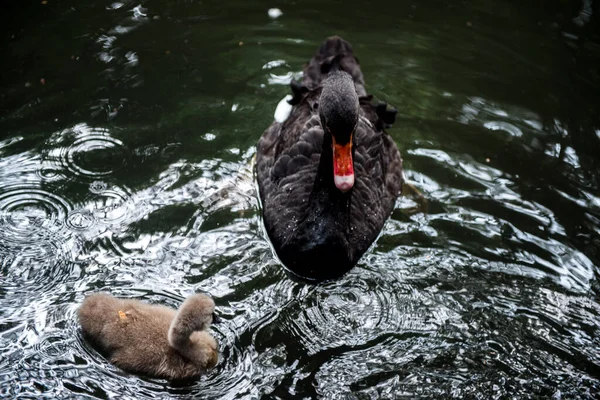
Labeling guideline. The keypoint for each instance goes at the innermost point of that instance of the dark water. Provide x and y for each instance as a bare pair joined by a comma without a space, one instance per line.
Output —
127,134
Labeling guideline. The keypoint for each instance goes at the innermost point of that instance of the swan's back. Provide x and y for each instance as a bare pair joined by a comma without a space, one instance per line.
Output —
333,52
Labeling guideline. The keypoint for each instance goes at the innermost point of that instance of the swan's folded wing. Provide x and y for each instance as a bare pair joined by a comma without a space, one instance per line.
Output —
366,209
394,178
286,171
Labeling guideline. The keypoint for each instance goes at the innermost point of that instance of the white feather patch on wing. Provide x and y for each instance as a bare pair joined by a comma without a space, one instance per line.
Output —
284,109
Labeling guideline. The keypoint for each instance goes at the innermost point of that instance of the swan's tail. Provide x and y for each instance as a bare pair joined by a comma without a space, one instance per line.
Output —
334,54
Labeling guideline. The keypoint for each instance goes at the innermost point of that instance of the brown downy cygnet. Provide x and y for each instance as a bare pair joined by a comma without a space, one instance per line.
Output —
152,340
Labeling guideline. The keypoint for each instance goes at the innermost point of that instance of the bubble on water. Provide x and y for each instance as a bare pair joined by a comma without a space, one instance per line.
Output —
81,220
98,186
274,13
50,174
112,205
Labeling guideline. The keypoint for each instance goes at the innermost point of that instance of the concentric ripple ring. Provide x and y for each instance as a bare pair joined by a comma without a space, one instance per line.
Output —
86,152
95,155
39,249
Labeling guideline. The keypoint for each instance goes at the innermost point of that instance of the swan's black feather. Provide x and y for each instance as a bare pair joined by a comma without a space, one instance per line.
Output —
318,231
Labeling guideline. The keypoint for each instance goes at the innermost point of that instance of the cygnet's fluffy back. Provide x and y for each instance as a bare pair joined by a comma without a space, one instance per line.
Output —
152,340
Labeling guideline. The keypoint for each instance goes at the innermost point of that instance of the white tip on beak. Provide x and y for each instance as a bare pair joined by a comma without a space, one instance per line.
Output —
343,182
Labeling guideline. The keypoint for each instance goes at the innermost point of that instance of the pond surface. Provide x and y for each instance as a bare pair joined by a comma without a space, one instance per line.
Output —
127,134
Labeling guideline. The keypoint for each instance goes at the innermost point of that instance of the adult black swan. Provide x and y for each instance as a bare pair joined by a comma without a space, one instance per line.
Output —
328,175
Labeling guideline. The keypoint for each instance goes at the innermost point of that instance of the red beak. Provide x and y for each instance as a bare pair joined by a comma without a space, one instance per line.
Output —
343,168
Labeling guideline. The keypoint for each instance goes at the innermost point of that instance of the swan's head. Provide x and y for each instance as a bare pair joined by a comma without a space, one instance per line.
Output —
338,109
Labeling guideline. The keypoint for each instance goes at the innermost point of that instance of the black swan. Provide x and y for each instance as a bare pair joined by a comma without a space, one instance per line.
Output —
152,340
328,175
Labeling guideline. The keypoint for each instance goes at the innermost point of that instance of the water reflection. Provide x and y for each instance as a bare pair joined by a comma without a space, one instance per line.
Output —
126,145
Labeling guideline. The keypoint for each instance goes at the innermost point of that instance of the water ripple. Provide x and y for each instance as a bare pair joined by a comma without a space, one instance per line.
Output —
359,309
112,205
86,152
136,179
39,252
28,214
81,220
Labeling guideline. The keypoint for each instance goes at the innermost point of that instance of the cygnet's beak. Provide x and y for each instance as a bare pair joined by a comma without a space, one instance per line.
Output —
215,318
